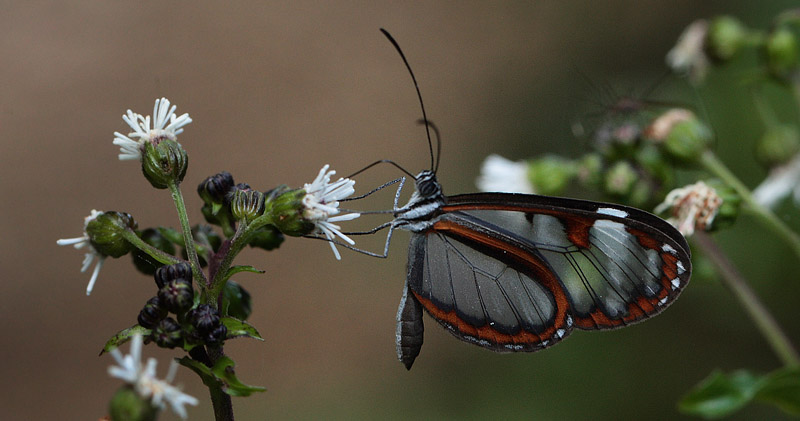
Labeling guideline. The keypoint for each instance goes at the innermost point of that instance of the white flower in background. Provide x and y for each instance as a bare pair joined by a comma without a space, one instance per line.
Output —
781,182
688,55
165,125
502,175
91,253
144,381
691,207
321,204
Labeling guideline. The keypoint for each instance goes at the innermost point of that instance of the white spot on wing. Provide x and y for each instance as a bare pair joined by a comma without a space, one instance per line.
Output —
613,212
669,249
681,269
675,283
663,301
560,333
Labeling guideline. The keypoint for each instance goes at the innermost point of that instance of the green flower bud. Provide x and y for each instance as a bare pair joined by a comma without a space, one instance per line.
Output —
729,209
778,145
128,405
726,35
681,134
167,334
214,189
107,233
143,262
652,160
285,206
551,174
620,178
164,163
247,204
781,53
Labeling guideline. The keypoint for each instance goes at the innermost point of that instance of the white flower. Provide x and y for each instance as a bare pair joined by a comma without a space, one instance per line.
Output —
692,207
321,203
165,126
781,182
144,381
688,55
502,175
91,253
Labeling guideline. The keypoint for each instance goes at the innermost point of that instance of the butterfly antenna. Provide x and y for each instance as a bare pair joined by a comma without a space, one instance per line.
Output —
434,165
438,136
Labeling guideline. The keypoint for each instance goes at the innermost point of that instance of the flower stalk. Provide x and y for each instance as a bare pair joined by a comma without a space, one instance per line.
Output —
764,321
713,164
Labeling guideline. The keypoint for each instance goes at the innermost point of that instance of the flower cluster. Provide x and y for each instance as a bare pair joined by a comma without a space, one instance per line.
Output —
142,378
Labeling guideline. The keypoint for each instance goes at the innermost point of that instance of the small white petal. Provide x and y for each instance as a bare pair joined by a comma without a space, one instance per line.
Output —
499,174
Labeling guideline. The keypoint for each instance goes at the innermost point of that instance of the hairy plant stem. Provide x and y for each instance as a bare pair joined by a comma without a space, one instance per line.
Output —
715,166
188,240
223,407
764,321
160,256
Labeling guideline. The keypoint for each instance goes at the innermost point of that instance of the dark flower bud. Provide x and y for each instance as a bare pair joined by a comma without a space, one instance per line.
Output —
152,313
143,262
169,273
106,233
167,334
217,336
204,318
164,163
214,189
177,296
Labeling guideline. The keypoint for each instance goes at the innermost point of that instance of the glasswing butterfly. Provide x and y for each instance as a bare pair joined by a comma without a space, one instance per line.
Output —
518,272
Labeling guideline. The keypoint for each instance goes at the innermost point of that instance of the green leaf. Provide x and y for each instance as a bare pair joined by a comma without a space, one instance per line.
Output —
782,388
221,375
236,301
238,328
123,336
720,394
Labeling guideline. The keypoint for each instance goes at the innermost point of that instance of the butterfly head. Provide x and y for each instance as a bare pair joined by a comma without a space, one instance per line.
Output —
427,185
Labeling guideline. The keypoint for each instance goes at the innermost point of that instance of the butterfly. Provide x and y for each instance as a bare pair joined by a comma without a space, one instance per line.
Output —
519,272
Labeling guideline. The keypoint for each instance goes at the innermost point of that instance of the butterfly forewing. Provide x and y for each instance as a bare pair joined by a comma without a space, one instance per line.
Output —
516,272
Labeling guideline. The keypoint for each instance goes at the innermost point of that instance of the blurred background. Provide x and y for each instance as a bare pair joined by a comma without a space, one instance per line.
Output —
277,90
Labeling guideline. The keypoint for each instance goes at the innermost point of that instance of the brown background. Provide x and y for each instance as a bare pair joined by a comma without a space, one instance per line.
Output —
275,92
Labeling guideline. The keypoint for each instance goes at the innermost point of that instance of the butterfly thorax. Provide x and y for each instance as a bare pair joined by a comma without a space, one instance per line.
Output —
424,206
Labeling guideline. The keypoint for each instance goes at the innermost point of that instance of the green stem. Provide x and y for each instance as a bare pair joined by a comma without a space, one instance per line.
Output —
223,407
177,197
238,241
153,252
716,167
741,290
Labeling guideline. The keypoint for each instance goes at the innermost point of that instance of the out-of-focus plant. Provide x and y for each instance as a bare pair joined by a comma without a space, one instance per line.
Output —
196,307
637,150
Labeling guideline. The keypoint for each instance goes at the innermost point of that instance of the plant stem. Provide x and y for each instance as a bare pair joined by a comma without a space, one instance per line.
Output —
716,167
741,290
223,407
191,252
153,252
